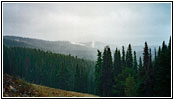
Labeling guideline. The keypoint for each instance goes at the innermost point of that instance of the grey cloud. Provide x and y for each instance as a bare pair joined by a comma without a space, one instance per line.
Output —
108,22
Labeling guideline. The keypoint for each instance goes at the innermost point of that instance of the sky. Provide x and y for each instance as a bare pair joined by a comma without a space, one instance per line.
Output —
116,23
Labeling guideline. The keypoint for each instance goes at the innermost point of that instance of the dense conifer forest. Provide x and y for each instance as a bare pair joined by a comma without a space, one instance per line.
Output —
49,69
123,75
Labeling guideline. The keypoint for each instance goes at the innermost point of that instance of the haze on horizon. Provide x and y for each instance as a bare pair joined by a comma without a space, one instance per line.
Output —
116,23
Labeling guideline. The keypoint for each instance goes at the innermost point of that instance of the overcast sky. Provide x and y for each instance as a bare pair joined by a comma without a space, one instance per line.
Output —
117,23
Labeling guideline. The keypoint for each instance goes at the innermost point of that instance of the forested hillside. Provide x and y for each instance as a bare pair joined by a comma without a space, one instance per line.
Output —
124,76
61,47
85,50
49,69
117,76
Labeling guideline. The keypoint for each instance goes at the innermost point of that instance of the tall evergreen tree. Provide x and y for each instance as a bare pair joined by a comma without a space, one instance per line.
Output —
135,62
163,76
140,65
155,54
159,52
129,58
123,59
145,59
117,62
117,70
107,72
98,71
149,78
143,72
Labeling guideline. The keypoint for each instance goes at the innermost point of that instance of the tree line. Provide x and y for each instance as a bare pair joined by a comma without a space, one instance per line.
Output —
118,76
122,75
46,68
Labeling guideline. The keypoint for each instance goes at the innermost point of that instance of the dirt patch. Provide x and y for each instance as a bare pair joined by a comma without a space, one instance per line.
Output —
14,87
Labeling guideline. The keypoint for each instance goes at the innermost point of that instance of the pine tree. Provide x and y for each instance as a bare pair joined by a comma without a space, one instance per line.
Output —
149,78
145,59
159,52
107,72
143,72
98,70
163,76
155,54
129,58
117,70
123,59
140,65
117,62
135,62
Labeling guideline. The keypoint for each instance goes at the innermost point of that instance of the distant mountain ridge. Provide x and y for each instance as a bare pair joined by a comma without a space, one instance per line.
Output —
85,50
62,47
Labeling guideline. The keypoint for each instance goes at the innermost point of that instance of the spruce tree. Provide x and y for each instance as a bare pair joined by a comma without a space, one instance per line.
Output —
117,62
149,78
140,65
135,62
98,70
145,59
142,74
129,58
107,72
123,59
115,71
163,76
155,55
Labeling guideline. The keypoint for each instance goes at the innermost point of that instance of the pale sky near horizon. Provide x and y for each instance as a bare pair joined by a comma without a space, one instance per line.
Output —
116,23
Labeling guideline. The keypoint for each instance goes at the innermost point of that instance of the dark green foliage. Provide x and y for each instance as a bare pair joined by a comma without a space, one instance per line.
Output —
119,82
140,66
129,57
106,77
130,87
123,77
117,62
135,62
145,59
149,78
80,79
6,67
155,55
49,69
98,71
163,70
63,77
123,58
153,77
117,69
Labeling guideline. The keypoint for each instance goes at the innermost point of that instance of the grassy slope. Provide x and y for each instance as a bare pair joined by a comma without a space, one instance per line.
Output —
13,87
52,92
